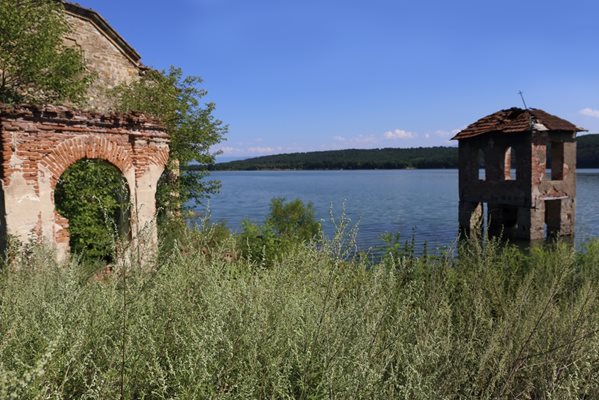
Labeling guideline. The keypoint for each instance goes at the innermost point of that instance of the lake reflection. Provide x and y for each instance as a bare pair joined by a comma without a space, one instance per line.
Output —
419,202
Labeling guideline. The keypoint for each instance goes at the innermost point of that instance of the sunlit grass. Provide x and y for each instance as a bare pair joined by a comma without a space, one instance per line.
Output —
491,323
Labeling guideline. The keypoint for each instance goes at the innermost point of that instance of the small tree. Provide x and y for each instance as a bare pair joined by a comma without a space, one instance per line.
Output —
193,129
35,64
287,224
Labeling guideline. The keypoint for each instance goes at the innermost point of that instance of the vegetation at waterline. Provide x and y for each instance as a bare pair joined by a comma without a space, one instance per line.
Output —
389,158
208,322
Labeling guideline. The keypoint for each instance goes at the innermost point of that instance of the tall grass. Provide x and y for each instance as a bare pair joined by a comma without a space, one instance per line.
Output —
491,323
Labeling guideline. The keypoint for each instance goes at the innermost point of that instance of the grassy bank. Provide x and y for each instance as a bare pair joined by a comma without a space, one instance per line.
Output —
493,323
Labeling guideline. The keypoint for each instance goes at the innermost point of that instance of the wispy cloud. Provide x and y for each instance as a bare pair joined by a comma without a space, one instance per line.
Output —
589,112
263,149
399,134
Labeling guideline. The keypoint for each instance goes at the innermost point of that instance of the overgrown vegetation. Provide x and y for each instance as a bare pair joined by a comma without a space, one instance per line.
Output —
287,223
35,64
37,67
176,100
94,196
493,323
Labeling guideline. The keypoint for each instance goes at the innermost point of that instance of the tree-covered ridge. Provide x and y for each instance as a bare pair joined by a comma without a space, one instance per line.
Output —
587,151
389,158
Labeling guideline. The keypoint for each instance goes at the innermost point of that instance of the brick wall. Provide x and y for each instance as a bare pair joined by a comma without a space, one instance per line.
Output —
40,143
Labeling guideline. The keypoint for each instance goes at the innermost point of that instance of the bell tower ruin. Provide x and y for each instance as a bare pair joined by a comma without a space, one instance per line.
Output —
521,164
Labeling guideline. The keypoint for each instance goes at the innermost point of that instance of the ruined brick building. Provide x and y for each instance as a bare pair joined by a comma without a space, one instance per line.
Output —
40,143
528,176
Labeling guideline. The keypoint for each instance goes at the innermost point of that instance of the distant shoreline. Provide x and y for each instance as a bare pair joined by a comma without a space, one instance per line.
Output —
417,158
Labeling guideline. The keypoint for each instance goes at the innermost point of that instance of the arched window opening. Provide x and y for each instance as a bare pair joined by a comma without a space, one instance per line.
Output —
94,196
510,172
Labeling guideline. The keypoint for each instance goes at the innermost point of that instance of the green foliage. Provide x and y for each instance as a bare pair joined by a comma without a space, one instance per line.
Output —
587,152
494,323
288,224
193,129
293,219
35,65
94,196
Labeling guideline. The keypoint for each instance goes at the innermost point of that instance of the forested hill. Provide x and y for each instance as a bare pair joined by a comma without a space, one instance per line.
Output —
421,157
390,158
587,152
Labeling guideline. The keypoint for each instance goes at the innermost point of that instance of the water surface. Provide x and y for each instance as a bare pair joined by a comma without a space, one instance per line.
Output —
419,202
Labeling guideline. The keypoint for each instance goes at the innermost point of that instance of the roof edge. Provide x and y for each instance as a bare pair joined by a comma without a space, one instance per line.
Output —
516,120
95,18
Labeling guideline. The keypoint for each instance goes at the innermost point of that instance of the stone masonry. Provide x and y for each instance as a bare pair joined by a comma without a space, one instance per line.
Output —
40,143
516,148
107,55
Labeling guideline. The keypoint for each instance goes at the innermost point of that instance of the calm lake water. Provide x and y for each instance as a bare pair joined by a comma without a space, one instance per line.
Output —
419,202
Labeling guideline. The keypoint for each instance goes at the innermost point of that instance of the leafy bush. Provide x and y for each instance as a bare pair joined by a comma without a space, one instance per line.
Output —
287,224
94,196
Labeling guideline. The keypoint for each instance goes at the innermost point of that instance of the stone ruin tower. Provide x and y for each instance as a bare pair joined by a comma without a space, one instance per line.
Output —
521,165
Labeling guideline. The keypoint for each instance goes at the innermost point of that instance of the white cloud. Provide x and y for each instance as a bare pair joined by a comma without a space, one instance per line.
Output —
399,134
589,112
339,138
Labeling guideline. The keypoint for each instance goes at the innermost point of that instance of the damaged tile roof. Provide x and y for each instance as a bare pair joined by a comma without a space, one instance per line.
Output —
516,120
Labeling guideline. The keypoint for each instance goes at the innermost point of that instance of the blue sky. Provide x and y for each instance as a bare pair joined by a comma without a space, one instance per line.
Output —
306,75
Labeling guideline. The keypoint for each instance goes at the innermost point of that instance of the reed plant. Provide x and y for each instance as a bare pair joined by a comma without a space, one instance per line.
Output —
493,322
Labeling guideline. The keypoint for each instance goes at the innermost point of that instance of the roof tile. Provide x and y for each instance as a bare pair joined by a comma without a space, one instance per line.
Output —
515,120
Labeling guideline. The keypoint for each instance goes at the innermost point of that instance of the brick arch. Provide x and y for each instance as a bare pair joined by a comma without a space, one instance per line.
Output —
39,143
92,147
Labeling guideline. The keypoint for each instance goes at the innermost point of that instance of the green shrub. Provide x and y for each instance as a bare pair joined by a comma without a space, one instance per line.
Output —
287,224
94,196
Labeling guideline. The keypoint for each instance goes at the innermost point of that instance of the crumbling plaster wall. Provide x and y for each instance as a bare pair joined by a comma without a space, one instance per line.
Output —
39,144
